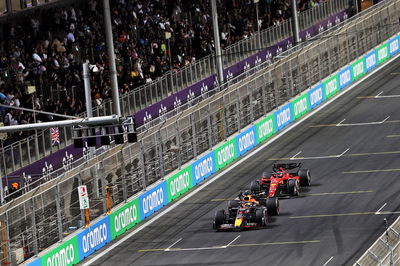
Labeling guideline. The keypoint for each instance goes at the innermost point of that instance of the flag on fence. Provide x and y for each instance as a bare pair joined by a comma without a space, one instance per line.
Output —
55,136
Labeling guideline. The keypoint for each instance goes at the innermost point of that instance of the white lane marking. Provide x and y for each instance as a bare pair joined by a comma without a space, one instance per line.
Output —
378,94
192,249
386,213
176,242
328,261
340,155
234,165
231,242
384,120
379,211
363,124
294,156
338,124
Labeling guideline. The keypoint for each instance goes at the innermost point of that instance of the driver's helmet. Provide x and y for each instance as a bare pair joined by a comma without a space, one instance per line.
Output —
248,198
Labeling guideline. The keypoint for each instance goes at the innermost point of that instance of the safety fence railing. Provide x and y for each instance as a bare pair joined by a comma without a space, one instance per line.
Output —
385,250
38,145
50,213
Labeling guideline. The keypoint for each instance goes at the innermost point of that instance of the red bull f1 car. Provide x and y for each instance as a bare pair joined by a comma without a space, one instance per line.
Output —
241,215
285,180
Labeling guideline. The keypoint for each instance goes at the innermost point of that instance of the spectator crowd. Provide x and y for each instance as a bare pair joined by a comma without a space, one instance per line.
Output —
47,47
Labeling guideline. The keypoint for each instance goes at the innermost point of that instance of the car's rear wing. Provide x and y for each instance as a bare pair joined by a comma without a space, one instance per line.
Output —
286,166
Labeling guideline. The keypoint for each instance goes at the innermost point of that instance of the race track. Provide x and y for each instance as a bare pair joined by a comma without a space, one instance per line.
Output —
352,148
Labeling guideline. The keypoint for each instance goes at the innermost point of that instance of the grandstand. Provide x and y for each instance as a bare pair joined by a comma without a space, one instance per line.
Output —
50,55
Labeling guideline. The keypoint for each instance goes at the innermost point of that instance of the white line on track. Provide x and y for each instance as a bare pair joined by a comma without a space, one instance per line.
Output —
231,242
362,124
379,211
339,124
340,155
294,156
176,242
378,94
231,167
326,263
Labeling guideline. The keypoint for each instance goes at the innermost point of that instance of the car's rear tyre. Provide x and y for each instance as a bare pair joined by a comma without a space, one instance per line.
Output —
219,218
233,204
263,202
273,206
262,217
293,187
255,187
305,177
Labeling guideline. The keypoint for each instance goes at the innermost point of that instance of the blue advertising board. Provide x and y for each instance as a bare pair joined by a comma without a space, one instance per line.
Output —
316,95
283,116
394,46
94,237
203,167
153,200
370,61
345,77
246,140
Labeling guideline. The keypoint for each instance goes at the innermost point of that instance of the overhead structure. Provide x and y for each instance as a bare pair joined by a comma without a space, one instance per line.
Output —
218,54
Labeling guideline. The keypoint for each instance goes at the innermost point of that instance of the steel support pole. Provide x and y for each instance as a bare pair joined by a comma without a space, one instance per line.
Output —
142,163
296,36
88,99
209,128
58,210
111,58
34,233
220,69
194,136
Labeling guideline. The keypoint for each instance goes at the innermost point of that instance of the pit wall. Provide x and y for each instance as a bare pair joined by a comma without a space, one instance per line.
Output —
123,218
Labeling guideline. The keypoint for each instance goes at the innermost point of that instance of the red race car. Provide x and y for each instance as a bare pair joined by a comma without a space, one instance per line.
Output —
285,179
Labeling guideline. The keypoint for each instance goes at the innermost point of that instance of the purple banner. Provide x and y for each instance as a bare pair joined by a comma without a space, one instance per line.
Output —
68,156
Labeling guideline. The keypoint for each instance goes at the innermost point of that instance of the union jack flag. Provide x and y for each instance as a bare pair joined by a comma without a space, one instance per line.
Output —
55,136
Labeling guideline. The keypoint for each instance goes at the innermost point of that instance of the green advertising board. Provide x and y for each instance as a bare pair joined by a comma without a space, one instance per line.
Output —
179,183
382,53
358,68
300,106
226,153
124,218
265,128
65,254
331,86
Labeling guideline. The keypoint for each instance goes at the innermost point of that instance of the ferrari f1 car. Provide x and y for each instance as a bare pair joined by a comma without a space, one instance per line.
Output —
285,179
241,215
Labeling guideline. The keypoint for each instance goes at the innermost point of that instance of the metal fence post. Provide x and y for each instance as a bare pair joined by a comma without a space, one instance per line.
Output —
123,176
209,127
142,163
34,229
101,177
238,116
194,137
249,93
58,210
160,153
178,144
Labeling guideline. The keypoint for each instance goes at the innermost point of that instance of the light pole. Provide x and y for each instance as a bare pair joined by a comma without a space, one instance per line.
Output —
111,57
296,36
220,69
258,25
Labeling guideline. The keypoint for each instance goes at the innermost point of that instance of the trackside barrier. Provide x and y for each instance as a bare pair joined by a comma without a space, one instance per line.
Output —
123,218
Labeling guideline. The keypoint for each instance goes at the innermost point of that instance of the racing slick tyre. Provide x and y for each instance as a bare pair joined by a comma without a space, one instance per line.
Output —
219,219
263,202
255,187
273,206
293,187
262,217
233,204
305,177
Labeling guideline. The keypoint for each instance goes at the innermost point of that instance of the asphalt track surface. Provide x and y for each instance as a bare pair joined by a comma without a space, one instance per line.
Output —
332,223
